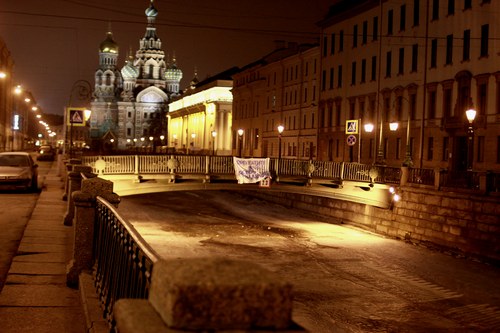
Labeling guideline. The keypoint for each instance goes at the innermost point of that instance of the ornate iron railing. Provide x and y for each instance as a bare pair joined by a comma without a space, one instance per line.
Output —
336,171
421,176
123,260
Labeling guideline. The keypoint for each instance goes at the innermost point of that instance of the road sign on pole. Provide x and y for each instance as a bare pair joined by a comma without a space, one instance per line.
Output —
351,126
351,140
75,116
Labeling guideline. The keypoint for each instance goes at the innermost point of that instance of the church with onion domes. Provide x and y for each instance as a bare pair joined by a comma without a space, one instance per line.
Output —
130,104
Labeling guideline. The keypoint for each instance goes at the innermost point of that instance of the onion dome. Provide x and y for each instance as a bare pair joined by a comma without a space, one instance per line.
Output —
129,71
108,45
172,73
151,11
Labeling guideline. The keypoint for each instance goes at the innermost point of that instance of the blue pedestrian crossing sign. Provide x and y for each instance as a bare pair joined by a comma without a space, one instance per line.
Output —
351,126
75,116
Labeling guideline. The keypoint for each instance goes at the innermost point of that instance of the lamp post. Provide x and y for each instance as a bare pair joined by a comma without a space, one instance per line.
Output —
240,140
281,128
193,137
214,134
471,115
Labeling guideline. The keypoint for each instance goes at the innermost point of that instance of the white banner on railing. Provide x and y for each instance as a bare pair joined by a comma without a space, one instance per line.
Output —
251,170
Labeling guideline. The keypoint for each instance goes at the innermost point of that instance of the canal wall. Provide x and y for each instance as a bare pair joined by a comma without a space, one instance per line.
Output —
462,224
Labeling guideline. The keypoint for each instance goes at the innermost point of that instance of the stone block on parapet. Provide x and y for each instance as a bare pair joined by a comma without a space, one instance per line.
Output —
137,316
220,294
97,186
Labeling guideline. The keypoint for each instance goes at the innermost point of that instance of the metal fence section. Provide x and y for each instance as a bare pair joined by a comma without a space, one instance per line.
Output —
153,163
327,170
119,164
460,179
221,165
421,176
356,172
123,260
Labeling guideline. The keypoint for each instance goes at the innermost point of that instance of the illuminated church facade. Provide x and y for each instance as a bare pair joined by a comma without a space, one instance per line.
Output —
130,104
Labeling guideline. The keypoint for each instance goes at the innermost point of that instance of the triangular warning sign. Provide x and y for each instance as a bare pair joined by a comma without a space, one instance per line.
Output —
76,117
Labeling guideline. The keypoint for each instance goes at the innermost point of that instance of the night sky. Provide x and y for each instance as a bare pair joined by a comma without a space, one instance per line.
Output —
55,42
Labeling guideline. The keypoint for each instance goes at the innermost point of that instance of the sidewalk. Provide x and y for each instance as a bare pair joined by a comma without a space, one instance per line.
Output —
35,297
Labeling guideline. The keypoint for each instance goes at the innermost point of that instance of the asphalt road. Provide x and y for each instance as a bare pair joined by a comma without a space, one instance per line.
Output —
15,209
345,279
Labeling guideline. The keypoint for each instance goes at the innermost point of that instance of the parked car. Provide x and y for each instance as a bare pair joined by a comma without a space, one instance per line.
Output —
18,170
46,153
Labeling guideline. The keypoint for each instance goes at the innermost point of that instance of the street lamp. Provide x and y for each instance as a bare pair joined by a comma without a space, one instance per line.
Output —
193,137
214,134
281,128
471,115
240,139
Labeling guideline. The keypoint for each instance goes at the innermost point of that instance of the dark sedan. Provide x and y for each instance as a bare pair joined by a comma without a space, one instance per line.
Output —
18,171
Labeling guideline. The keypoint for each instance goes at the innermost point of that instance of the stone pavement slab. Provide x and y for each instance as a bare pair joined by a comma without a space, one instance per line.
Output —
35,297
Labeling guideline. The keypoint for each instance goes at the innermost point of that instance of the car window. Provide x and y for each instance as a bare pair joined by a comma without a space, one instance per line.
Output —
14,160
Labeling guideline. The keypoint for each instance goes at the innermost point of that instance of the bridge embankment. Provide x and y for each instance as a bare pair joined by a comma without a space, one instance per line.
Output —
462,224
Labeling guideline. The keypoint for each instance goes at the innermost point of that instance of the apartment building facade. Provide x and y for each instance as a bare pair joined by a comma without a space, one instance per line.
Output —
279,89
420,64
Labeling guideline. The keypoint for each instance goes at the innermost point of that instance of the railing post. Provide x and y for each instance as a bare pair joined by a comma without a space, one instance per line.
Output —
405,174
74,184
69,167
85,212
438,173
137,178
172,164
207,169
342,168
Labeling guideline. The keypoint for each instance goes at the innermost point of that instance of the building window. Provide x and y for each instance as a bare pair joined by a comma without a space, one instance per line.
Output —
467,4
332,44
413,106
325,46
129,131
434,44
305,94
388,64
363,71
355,36
449,50
386,147
498,149
370,155
401,64
398,148
402,19
374,70
416,13
341,41
323,80
375,28
447,102
365,33
339,77
435,10
430,148
331,78
480,149
390,23
432,104
353,73
466,43
446,148
414,58
129,114
484,39
451,7
482,97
